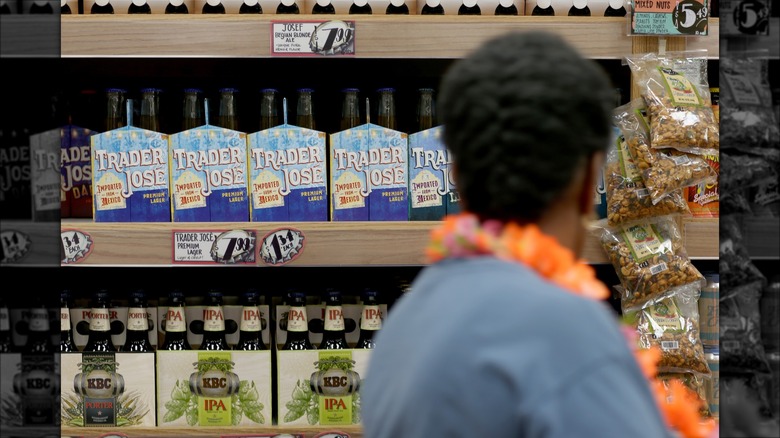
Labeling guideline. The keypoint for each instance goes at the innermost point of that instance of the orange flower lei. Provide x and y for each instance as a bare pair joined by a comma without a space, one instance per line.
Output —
462,235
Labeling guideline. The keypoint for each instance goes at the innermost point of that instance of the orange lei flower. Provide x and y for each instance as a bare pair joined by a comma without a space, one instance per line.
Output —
462,235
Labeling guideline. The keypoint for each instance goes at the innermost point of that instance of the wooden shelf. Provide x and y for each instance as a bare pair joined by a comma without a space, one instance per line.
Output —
43,249
327,244
197,432
377,36
742,43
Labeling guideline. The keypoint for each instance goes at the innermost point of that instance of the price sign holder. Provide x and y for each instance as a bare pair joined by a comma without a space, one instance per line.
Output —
668,18
313,38
211,247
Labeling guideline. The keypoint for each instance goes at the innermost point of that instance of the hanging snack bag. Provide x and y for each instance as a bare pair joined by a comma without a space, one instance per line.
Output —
736,266
741,349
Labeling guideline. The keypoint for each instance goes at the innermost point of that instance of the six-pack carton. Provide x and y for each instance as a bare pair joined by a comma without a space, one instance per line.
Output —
432,191
76,170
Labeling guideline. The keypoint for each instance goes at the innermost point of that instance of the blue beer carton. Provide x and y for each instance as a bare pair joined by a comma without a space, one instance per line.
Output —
429,168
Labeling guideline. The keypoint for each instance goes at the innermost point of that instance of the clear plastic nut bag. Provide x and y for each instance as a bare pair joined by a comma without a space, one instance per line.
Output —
695,382
675,88
664,172
741,349
628,200
649,259
735,265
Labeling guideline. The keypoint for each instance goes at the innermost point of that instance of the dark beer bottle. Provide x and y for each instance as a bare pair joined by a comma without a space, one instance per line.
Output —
250,329
39,330
287,7
360,7
150,109
115,109
323,7
100,324
426,109
67,345
214,323
41,7
616,8
297,324
397,7
350,109
432,7
370,319
102,7
386,108
304,114
192,114
137,339
228,112
6,345
333,333
469,7
175,324
176,7
506,7
139,7
269,111
213,7
579,8
543,8
64,7
250,7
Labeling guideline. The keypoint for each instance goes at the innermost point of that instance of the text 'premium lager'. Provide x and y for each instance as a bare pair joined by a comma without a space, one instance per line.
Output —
175,324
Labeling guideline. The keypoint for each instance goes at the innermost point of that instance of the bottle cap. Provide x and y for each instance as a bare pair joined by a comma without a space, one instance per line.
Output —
101,295
306,90
350,90
193,90
151,90
228,90
269,90
115,90
251,296
713,277
386,90
138,297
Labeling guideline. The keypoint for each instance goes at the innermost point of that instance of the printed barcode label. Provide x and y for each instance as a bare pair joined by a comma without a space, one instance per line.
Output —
657,269
679,159
641,193
730,345
670,345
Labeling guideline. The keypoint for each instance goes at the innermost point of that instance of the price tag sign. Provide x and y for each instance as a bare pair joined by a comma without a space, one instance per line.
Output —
214,247
670,17
313,38
744,17
75,246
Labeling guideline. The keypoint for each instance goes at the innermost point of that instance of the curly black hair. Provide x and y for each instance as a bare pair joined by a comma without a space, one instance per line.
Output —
520,115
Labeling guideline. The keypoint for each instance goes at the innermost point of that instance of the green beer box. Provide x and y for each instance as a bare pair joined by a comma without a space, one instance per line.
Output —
213,388
108,390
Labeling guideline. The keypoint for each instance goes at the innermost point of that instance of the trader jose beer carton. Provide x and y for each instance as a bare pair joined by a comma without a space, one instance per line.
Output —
432,192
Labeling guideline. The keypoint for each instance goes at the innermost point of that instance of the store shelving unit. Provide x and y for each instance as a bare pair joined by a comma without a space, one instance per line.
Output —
331,244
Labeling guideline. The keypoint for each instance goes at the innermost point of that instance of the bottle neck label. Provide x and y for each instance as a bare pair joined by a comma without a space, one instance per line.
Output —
213,319
5,324
99,320
297,320
371,318
39,320
137,319
250,319
64,319
334,319
175,320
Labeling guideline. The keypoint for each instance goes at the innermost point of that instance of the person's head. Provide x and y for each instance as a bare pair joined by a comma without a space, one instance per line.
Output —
527,120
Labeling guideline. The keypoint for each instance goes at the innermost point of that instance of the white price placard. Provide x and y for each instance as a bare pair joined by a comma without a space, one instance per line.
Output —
313,38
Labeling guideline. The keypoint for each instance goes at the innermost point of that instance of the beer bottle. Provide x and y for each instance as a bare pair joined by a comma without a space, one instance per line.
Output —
150,109
269,111
175,324
250,7
4,8
543,8
350,109
304,116
64,7
616,8
333,334
287,7
100,324
579,8
506,7
39,330
426,109
6,345
176,7
137,339
297,324
360,7
115,110
370,319
432,7
250,336
192,115
41,7
139,7
469,7
397,7
102,7
213,7
228,114
386,108
323,7
214,323
66,329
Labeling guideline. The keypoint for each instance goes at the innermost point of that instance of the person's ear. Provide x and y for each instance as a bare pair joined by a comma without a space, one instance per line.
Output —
594,167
